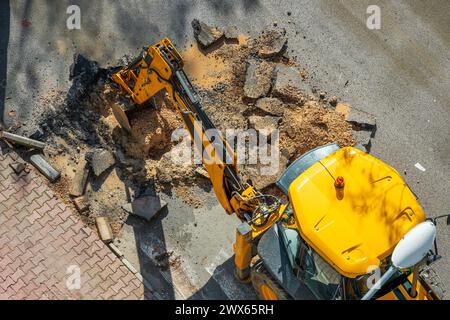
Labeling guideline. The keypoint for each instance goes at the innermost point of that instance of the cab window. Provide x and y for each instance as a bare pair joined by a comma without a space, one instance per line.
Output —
323,281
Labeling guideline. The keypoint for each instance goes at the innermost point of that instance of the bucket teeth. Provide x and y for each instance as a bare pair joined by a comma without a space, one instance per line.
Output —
121,117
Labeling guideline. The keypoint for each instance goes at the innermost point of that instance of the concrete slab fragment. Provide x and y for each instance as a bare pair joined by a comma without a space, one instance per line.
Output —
100,160
277,46
145,207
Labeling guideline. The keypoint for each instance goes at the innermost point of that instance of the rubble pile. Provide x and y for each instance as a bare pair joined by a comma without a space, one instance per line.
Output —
261,87
242,83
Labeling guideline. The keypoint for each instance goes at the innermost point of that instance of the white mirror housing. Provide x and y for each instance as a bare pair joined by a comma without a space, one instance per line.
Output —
414,246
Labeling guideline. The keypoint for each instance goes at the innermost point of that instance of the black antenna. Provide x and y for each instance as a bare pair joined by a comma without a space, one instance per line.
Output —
332,177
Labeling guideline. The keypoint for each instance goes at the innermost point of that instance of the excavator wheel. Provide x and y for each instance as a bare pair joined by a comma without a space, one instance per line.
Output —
266,287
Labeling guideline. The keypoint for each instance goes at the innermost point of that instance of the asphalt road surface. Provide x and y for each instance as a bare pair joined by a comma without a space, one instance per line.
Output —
400,73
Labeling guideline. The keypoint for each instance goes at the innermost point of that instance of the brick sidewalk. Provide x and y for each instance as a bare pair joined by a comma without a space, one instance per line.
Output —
41,237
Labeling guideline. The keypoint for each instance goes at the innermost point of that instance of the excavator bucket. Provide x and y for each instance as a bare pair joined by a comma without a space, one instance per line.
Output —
145,76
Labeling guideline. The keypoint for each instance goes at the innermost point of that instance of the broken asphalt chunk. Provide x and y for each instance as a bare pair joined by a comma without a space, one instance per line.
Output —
264,125
275,47
231,33
288,84
145,207
83,73
272,106
84,68
205,34
361,120
44,167
258,78
363,137
363,124
99,160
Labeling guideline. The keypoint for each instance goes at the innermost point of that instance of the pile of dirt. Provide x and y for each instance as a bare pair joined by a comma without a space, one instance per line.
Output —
82,120
304,120
151,133
313,125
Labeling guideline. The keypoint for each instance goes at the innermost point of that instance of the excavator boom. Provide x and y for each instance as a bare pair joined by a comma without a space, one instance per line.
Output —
159,67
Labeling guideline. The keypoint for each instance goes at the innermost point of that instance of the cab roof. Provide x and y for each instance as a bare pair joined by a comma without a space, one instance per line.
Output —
357,232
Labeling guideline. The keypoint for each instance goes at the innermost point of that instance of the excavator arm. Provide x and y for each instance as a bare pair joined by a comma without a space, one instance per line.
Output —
160,67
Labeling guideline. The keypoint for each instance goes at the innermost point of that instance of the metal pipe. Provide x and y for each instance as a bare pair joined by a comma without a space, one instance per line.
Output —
380,283
27,142
413,290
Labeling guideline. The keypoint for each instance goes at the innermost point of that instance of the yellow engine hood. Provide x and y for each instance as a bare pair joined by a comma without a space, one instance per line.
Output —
355,233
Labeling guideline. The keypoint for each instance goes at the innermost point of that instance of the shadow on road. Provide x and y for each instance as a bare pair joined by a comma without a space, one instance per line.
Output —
164,278
152,252
4,40
223,285
153,257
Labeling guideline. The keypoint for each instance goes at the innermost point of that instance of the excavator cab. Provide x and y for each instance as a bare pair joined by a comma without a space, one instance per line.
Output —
333,243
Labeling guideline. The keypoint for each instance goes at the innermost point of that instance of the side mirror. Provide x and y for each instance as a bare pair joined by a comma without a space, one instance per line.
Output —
408,252
414,246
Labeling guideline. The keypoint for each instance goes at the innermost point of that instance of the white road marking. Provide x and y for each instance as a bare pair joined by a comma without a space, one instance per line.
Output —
420,167
226,279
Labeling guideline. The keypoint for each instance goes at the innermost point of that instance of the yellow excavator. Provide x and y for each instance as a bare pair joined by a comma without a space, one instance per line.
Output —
352,228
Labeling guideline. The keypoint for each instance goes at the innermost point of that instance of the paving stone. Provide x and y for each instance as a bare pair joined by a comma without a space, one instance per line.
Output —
17,167
80,180
36,266
104,229
81,203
